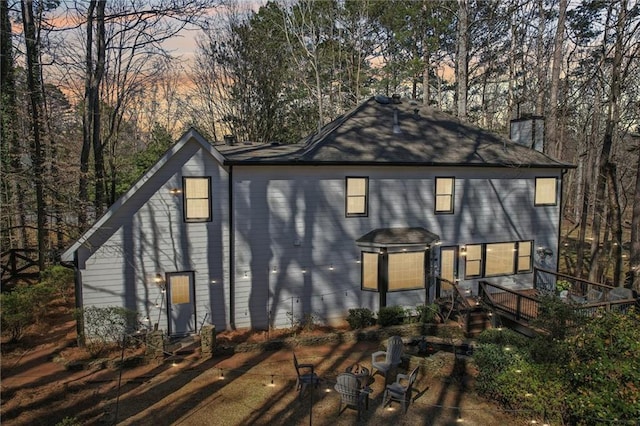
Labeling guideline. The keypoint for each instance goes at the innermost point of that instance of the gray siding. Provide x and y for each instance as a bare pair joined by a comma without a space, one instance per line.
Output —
290,220
147,236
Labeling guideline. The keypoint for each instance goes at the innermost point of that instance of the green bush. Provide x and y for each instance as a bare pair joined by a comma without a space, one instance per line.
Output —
502,337
391,315
602,369
24,306
360,318
105,328
60,280
589,377
69,421
427,314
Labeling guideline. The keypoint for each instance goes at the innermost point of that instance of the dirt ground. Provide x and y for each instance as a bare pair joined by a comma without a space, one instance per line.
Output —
239,389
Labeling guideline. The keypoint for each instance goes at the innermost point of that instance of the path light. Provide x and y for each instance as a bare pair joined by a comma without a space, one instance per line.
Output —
221,375
271,385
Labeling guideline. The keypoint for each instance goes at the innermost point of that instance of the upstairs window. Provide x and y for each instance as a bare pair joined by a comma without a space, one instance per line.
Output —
197,199
357,193
444,194
546,191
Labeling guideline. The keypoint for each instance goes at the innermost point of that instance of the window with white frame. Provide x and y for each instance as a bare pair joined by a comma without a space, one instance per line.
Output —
546,191
197,199
357,189
444,194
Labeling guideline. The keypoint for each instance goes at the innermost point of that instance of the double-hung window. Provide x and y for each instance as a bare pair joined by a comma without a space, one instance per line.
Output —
197,199
444,194
473,261
524,256
357,190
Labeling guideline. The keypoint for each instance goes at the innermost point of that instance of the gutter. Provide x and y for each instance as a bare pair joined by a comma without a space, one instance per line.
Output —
77,287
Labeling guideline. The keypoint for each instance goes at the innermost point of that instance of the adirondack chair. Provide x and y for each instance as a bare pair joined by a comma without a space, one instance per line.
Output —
351,393
392,357
400,390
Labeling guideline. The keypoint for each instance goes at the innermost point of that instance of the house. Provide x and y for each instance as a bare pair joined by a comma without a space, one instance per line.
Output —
371,211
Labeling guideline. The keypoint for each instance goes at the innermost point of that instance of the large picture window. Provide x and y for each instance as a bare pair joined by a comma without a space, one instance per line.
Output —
197,199
444,194
546,191
500,259
406,271
357,192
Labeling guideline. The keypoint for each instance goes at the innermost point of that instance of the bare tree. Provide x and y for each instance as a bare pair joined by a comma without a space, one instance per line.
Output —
35,108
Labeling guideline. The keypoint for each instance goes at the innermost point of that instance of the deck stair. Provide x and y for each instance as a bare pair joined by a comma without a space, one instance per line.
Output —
184,345
476,321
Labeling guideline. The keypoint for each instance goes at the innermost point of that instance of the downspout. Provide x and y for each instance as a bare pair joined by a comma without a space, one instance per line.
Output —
77,287
557,260
232,251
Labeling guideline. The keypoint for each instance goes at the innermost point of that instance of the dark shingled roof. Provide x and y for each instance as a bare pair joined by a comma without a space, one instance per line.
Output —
405,133
392,236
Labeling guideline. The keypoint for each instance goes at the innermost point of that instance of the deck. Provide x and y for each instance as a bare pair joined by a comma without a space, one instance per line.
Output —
521,307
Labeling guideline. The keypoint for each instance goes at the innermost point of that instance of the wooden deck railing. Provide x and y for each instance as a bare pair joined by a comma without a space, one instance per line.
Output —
19,264
515,304
546,281
519,306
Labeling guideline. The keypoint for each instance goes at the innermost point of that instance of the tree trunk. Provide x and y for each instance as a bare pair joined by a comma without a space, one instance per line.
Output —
616,223
634,258
462,65
14,231
607,142
554,143
98,157
35,104
87,121
542,75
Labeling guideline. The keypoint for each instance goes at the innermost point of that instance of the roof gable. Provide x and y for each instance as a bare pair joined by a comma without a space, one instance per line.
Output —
192,136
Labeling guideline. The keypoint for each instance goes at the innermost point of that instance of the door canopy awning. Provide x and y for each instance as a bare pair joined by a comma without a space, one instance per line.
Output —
398,239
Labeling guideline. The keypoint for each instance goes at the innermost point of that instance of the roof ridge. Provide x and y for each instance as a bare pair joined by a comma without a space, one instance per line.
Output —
313,141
